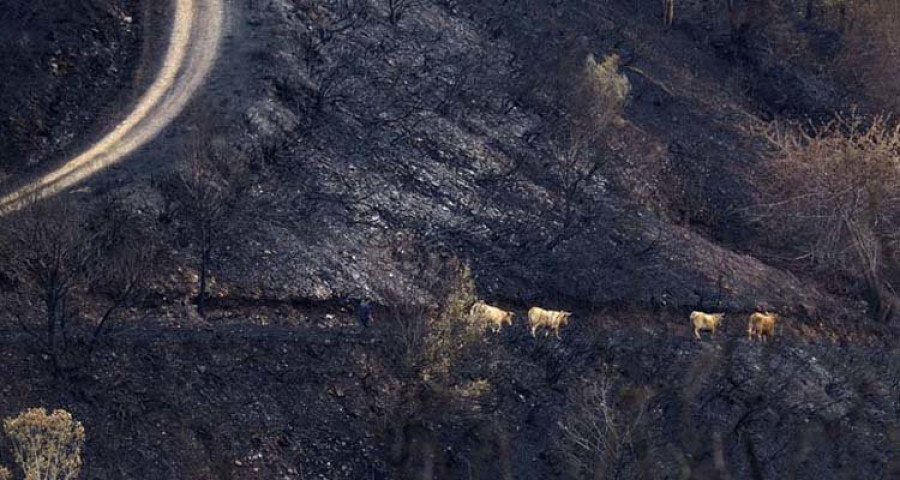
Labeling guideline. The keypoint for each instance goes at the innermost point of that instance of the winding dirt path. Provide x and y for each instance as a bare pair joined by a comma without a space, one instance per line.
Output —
192,50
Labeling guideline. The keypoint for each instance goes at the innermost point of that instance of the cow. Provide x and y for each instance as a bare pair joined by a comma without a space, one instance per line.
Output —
706,321
553,320
761,325
482,313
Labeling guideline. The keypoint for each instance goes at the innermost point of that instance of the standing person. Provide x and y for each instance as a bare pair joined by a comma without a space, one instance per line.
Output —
365,312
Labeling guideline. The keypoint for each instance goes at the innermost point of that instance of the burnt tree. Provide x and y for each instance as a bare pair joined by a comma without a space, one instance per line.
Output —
208,196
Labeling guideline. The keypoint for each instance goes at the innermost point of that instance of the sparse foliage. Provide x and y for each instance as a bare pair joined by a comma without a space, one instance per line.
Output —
451,332
430,340
46,446
602,92
833,195
579,149
433,348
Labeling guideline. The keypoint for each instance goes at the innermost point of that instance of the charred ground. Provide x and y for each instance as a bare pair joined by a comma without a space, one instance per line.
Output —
69,70
373,131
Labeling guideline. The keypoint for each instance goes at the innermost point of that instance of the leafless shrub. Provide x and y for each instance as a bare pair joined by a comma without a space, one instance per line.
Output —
579,148
73,272
326,71
397,9
578,165
46,446
600,430
832,193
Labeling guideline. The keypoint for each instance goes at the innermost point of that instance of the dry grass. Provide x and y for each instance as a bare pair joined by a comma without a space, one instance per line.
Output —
601,427
832,200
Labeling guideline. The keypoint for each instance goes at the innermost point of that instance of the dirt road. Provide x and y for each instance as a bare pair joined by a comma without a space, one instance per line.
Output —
192,50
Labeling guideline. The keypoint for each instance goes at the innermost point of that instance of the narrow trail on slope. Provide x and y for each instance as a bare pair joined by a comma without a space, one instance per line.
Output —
193,48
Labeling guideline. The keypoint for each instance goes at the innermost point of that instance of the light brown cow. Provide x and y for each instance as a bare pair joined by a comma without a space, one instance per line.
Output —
761,325
553,320
484,314
706,322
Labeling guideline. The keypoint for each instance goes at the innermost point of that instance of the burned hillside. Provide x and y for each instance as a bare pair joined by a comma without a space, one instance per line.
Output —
198,306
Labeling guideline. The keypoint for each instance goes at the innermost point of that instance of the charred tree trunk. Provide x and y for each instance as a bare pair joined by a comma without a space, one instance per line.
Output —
668,7
882,303
205,259
842,9
756,468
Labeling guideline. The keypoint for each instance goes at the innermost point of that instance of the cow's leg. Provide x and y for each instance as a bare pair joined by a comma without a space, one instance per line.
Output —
533,330
697,333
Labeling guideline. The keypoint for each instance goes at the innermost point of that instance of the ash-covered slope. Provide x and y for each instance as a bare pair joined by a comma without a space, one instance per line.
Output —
437,127
374,136
320,397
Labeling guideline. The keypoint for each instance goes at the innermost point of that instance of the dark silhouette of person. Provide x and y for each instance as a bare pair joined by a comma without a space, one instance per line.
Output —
365,312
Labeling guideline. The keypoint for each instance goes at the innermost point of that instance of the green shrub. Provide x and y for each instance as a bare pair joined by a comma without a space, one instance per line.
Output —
450,331
602,92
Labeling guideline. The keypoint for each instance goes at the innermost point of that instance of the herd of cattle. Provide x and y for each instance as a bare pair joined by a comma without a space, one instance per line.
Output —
484,314
762,324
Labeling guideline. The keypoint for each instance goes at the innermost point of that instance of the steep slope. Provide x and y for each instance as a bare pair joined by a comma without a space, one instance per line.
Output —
375,138
441,128
312,395
68,68
438,125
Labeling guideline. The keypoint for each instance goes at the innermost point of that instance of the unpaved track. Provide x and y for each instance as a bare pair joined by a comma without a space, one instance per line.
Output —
192,50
